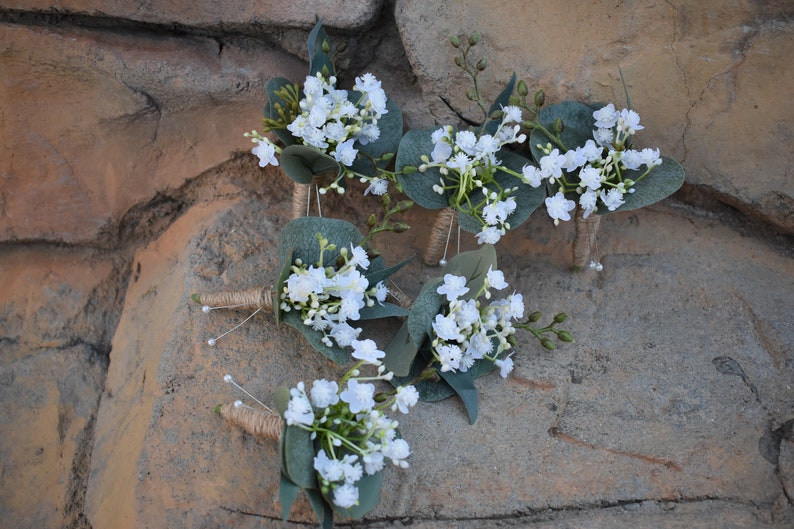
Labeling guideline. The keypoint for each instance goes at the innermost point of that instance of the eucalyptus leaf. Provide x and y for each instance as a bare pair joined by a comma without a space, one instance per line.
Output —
368,497
335,353
400,352
298,457
318,59
287,492
281,398
503,99
323,511
661,182
285,269
417,185
463,386
376,276
299,237
302,163
385,310
424,310
578,123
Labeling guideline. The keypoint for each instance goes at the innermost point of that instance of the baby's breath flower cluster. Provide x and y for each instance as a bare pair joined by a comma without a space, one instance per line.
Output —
468,162
353,436
334,124
467,329
328,297
601,164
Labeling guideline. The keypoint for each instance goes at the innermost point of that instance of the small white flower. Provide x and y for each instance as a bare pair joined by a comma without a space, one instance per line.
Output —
358,257
505,366
588,202
446,328
441,152
358,396
604,137
650,157
345,153
324,393
377,187
490,235
466,141
558,207
266,152
381,291
612,199
453,287
512,114
367,350
606,117
406,398
631,120
373,462
369,133
299,409
460,162
590,151
551,164
397,450
531,175
449,356
346,496
496,278
344,334
367,83
590,177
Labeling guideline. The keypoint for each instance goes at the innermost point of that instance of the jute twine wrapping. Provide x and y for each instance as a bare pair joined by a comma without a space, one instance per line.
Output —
253,298
300,199
258,423
442,227
400,298
585,238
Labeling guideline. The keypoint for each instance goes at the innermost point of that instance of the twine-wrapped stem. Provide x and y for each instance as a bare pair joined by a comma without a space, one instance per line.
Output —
253,298
300,200
258,423
439,235
585,237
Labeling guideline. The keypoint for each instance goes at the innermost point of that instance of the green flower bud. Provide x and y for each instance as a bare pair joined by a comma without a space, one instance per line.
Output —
471,95
372,220
458,62
565,336
474,38
540,98
403,205
455,41
401,227
385,200
561,317
482,64
558,126
535,316
326,46
387,156
522,89
409,169
528,124
548,344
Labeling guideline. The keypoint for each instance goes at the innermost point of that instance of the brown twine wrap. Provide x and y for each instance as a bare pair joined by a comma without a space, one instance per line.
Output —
585,238
253,298
258,423
300,199
400,298
442,227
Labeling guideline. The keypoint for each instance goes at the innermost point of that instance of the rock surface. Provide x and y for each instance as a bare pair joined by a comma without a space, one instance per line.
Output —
125,187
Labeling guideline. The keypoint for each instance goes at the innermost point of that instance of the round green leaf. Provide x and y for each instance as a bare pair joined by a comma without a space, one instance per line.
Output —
419,186
298,457
578,122
661,182
302,163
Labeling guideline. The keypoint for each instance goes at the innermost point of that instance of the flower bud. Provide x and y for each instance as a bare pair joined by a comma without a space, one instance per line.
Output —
558,126
326,46
535,316
409,169
387,156
401,227
403,205
371,221
385,200
474,38
548,344
471,95
540,98
455,41
522,89
458,62
482,64
565,336
561,317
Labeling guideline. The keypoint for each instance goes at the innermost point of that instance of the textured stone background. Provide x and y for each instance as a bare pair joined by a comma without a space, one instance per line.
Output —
126,185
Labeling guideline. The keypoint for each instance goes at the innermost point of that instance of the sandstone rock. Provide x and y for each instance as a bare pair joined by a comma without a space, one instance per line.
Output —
231,15
635,411
96,122
702,76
